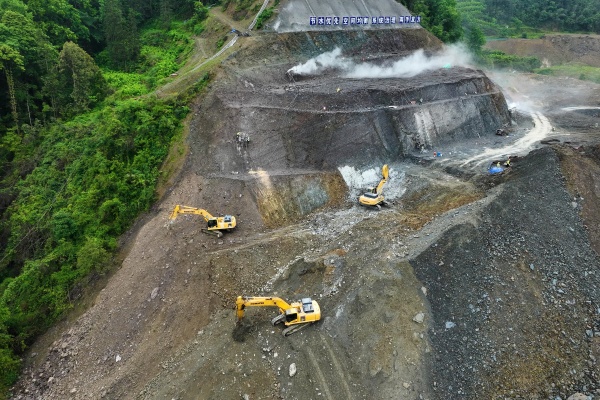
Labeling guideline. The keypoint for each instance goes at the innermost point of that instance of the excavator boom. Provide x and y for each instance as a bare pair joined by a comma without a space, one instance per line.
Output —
243,302
385,174
190,210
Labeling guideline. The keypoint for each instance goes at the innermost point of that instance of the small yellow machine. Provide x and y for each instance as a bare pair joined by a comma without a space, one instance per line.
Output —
215,225
374,197
294,316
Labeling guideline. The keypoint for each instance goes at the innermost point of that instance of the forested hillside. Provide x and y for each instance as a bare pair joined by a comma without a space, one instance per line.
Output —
513,17
81,144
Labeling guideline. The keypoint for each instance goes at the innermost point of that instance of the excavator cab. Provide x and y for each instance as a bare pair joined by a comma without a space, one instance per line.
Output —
291,315
371,195
307,305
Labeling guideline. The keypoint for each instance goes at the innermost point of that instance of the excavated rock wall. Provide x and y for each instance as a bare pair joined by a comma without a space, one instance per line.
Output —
284,199
321,122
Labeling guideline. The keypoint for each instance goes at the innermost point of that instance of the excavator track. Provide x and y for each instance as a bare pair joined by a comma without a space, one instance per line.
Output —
278,319
294,328
218,234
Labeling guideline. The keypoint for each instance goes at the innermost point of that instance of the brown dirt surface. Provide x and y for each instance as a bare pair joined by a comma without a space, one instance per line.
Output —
467,286
554,49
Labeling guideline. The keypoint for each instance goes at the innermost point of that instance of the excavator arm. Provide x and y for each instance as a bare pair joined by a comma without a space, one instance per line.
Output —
243,302
190,210
373,196
385,174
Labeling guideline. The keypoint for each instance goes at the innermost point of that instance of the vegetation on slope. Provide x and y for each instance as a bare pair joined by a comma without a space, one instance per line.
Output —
440,17
81,145
505,18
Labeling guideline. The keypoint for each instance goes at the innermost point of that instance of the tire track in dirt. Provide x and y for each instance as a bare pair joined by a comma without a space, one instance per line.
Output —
541,129
338,368
319,374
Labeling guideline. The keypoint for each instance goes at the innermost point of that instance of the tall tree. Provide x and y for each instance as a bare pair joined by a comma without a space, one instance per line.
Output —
122,41
438,16
475,39
9,60
79,80
58,19
21,45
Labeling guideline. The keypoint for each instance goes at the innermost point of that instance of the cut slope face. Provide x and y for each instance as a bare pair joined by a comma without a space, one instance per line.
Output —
295,15
325,121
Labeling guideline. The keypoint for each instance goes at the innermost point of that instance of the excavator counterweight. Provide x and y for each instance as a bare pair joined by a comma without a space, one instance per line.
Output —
215,225
294,316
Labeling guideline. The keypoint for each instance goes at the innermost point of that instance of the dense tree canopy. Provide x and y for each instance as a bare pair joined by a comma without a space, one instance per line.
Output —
79,158
440,17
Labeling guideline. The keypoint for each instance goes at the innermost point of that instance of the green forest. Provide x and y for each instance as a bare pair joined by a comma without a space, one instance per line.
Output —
83,136
82,140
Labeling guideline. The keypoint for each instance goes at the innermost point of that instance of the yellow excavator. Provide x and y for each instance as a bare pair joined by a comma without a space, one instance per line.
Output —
294,316
215,225
374,197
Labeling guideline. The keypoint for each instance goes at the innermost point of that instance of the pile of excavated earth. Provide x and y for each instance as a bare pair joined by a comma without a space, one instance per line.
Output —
469,285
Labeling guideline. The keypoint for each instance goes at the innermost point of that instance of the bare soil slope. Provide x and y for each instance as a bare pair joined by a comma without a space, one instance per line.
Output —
554,49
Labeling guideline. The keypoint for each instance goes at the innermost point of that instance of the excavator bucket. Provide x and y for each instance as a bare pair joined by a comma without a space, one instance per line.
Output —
385,172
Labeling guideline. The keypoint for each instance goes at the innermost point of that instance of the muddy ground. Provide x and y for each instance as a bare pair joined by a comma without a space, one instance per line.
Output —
468,286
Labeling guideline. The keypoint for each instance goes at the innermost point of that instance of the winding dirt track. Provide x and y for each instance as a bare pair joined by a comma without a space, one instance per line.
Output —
541,129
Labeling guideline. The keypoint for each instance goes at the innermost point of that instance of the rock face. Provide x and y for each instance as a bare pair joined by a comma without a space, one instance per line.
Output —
304,125
327,120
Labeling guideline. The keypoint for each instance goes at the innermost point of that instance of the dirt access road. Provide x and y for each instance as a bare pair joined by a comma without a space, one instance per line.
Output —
467,287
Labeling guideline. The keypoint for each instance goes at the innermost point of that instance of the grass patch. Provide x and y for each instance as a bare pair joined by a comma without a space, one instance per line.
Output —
221,42
498,59
126,84
163,53
264,17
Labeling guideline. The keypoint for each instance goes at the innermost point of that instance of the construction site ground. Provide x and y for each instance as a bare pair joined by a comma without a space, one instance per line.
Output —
467,286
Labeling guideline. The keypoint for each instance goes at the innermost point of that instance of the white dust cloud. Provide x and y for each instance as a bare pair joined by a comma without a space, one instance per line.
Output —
407,67
359,180
322,62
